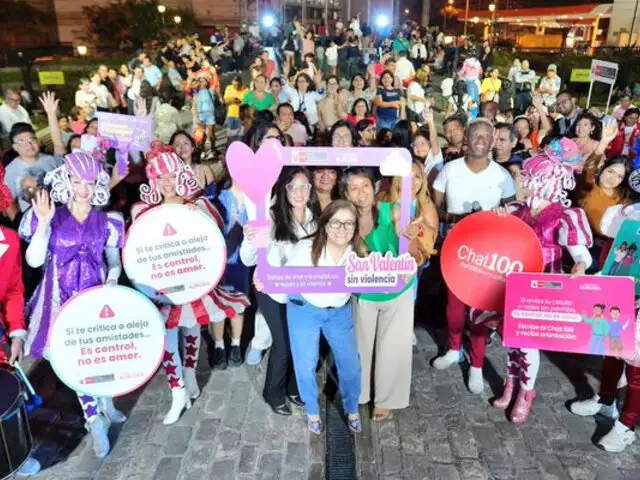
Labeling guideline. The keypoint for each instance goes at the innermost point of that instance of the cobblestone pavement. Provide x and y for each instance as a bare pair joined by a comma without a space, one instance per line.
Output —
229,433
448,433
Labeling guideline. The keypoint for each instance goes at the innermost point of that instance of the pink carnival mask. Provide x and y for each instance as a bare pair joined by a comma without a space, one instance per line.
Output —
544,178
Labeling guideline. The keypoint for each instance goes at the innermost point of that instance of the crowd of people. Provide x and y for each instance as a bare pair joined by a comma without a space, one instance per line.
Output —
531,152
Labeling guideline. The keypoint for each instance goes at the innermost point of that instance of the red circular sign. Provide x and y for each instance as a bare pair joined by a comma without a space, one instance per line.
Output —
479,253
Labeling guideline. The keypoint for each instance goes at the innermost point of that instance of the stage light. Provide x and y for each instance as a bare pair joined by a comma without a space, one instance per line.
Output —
382,21
268,21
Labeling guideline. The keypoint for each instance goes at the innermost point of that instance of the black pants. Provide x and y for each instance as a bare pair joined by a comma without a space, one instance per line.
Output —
280,380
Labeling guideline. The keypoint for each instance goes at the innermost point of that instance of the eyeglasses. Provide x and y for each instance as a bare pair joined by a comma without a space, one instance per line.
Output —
336,224
26,141
303,188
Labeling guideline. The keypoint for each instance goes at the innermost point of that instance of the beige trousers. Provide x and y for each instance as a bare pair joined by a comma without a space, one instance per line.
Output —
384,330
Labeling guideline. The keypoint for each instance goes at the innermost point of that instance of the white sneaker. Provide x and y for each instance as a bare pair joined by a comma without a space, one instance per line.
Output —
476,380
450,358
30,467
623,379
113,414
191,383
618,438
592,406
100,436
180,401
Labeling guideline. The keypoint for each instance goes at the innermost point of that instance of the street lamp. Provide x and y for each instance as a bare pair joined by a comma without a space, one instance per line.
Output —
177,19
82,50
451,2
406,11
162,9
492,9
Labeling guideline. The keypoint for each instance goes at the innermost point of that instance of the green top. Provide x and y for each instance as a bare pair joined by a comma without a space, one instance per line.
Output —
600,327
264,104
383,239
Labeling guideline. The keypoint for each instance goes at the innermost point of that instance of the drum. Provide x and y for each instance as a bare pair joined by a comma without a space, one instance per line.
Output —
15,436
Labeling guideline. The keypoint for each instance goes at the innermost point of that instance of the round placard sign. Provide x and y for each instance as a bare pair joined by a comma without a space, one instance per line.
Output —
481,250
174,254
106,341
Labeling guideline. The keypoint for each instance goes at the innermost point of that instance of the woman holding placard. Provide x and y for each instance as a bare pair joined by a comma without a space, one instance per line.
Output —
71,242
173,182
384,322
310,314
292,219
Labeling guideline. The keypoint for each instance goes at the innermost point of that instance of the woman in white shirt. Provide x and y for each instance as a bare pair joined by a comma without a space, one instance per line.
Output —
100,91
292,219
329,314
85,98
304,98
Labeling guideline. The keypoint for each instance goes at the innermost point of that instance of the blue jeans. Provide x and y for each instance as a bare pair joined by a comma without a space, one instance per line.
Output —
597,345
383,123
306,322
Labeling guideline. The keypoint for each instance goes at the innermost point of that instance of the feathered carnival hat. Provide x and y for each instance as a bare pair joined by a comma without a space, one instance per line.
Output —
549,176
86,166
162,160
6,199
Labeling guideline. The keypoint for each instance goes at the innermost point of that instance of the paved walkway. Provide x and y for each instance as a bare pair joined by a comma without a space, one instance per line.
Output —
446,433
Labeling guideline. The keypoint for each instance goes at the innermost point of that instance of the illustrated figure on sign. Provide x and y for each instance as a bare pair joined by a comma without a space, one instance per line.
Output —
615,331
619,254
546,180
173,182
79,246
600,328
628,260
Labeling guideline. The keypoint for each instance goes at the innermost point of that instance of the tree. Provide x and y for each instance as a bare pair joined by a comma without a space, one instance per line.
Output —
16,32
134,22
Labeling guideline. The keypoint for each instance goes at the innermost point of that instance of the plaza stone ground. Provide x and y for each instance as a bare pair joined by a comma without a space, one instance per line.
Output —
446,433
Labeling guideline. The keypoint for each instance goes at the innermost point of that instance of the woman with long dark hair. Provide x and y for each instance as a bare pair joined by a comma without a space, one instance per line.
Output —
384,321
292,219
188,151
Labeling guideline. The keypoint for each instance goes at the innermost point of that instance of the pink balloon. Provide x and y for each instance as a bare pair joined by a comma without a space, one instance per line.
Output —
255,173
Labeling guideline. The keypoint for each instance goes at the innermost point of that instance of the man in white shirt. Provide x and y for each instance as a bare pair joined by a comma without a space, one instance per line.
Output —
11,112
465,185
550,85
404,67
289,126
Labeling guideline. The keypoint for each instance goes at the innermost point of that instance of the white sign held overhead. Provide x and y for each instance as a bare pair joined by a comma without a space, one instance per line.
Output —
603,72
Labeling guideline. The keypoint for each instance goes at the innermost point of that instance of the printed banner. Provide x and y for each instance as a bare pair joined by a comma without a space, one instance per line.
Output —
256,173
481,250
585,314
174,254
622,260
127,131
106,341
51,78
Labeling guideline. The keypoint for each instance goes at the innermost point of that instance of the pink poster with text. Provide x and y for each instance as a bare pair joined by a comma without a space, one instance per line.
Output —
585,314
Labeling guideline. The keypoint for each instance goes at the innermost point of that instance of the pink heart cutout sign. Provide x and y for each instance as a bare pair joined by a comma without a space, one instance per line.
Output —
255,173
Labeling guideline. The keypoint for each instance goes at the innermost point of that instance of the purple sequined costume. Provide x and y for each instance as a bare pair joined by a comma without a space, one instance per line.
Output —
75,261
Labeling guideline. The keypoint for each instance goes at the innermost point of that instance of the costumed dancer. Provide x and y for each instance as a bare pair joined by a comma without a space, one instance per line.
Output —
72,242
613,368
546,180
12,300
171,181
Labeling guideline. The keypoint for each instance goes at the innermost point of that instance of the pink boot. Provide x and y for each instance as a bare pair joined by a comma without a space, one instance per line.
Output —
507,395
522,407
